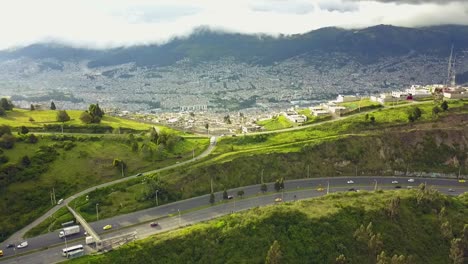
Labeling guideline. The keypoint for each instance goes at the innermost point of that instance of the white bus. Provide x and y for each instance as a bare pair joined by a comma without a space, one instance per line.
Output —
67,250
76,254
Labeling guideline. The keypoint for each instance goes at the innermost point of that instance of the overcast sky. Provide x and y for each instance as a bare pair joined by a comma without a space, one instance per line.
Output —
111,23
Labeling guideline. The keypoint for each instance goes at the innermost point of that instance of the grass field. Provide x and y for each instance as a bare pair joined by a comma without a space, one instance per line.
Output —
276,123
20,117
314,231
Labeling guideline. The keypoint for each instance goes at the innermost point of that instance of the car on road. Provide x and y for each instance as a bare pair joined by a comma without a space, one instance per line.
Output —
153,224
461,181
139,174
451,190
394,182
23,244
1,253
320,189
60,201
410,180
107,227
397,187
350,181
352,190
230,197
10,246
278,200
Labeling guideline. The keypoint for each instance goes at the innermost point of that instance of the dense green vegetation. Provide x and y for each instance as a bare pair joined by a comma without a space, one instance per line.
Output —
34,166
416,226
346,147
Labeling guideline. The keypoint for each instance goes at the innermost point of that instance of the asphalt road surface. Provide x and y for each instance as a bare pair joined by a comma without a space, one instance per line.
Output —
48,247
20,234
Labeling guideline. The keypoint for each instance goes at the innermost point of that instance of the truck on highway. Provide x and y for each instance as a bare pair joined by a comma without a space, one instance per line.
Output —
67,231
90,240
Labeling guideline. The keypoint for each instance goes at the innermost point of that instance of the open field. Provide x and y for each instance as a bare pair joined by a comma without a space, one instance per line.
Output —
20,117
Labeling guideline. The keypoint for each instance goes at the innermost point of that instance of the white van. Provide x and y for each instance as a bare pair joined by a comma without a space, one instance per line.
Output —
60,201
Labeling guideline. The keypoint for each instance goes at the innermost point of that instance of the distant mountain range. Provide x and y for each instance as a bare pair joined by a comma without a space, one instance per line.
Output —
229,71
365,45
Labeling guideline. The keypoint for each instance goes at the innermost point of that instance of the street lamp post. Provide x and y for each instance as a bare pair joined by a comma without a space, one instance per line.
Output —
328,187
178,210
157,202
97,212
375,186
66,245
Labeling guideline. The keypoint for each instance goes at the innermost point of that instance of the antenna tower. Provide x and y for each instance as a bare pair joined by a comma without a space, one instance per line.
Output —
451,70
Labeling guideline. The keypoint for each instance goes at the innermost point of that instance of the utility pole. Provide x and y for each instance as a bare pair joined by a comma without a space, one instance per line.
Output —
97,212
375,186
178,210
308,171
51,199
66,245
212,184
157,203
328,187
262,177
53,191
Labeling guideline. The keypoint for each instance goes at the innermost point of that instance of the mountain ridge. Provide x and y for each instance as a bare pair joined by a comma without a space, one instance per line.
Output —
206,44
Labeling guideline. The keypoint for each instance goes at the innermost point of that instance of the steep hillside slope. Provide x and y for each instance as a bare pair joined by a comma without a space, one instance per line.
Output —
417,226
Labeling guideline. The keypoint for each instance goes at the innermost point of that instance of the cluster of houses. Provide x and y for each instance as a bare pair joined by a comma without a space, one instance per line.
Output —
416,92
330,108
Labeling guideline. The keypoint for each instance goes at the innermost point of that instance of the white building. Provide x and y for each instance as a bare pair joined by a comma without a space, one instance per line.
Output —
346,98
297,118
320,113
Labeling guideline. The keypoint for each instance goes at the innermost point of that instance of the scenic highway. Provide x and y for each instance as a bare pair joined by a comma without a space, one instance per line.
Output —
169,218
20,234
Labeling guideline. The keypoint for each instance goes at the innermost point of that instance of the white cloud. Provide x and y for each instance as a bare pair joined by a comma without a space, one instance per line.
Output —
101,24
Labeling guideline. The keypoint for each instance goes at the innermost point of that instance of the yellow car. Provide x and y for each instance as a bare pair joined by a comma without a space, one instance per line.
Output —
278,200
320,189
107,227
1,253
461,181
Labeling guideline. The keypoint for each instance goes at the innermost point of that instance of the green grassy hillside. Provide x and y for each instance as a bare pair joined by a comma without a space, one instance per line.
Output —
42,118
68,164
347,147
417,225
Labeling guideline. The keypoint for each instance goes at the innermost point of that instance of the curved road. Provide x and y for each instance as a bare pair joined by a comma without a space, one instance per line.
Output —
169,218
20,234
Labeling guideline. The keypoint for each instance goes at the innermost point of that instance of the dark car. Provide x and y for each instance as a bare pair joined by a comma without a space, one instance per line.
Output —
230,197
139,174
153,224
10,246
398,187
352,190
